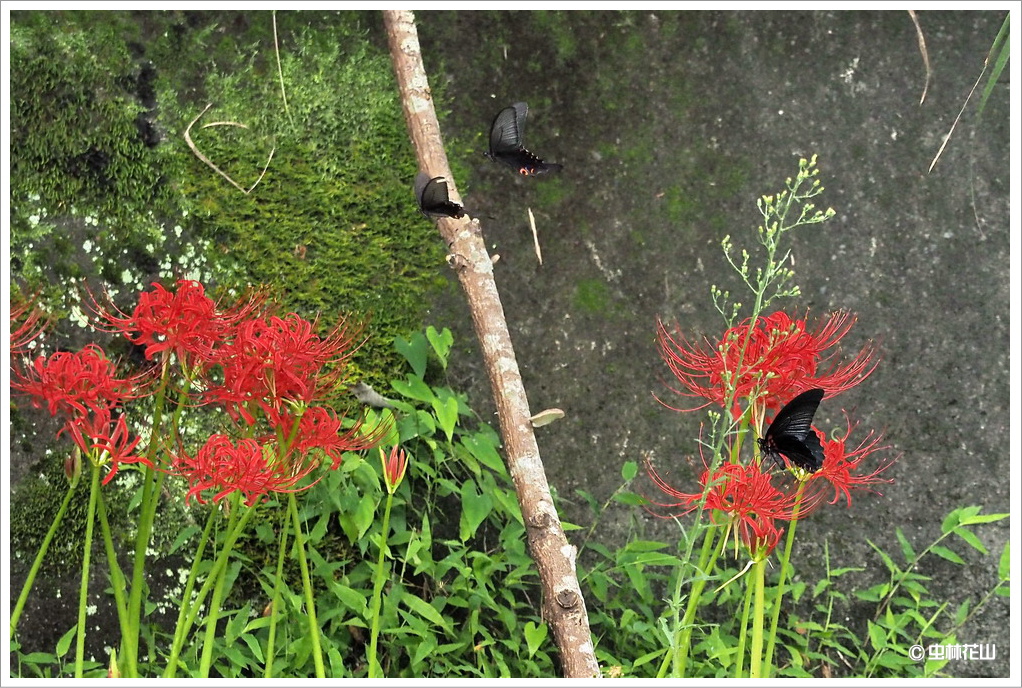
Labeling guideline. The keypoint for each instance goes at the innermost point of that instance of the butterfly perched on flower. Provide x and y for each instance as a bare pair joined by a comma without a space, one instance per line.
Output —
791,433
507,143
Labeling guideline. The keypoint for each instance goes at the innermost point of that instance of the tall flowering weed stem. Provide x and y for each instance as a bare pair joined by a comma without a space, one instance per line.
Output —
760,363
263,379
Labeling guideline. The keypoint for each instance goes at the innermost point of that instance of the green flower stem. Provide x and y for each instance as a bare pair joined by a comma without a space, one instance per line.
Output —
186,596
310,600
183,628
275,602
19,607
756,653
743,634
83,593
789,542
117,579
150,497
378,581
213,617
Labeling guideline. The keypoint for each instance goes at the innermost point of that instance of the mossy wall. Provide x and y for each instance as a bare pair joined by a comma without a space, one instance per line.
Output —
105,187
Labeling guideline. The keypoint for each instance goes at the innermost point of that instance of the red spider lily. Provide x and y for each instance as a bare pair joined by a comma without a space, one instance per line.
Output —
394,467
105,440
34,325
744,494
841,466
247,467
75,382
280,361
781,359
320,428
761,537
186,323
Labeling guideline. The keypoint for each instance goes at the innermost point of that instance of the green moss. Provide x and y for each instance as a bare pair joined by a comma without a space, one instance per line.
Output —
332,226
561,30
592,296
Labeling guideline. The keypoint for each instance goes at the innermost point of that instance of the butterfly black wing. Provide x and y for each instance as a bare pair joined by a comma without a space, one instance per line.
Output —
507,143
791,433
433,197
507,133
796,418
807,453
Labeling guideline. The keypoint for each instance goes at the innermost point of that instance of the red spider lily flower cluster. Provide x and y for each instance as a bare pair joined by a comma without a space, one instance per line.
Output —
33,325
278,361
745,496
185,322
760,366
842,467
84,387
248,467
781,358
265,370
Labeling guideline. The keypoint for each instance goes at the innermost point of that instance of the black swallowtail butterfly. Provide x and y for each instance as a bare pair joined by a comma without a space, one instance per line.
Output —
507,143
791,434
433,198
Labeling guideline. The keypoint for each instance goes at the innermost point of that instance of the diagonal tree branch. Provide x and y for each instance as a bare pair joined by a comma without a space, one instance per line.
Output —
563,606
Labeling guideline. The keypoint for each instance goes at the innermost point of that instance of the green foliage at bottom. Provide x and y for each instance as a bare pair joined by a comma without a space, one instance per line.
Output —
462,598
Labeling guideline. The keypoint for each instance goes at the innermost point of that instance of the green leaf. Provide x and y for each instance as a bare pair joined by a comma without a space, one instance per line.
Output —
1002,47
357,521
877,637
352,599
425,610
447,413
834,573
475,508
950,521
906,547
948,554
255,647
630,499
629,470
888,562
182,537
441,343
645,546
1004,567
970,537
973,519
413,388
648,657
237,623
963,612
415,352
484,451
657,559
64,644
424,649
894,661
535,636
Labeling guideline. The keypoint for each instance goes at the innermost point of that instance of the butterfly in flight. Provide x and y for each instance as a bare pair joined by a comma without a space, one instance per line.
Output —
791,434
507,143
433,198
